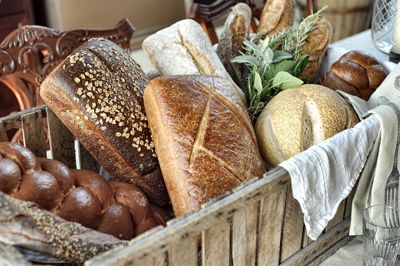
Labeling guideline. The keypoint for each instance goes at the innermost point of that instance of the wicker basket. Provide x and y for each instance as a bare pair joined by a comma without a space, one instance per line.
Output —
347,17
260,223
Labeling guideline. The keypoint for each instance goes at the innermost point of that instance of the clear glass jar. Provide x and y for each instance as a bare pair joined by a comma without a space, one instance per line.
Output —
385,28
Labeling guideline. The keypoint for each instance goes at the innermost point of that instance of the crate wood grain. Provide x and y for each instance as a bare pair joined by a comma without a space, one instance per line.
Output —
259,223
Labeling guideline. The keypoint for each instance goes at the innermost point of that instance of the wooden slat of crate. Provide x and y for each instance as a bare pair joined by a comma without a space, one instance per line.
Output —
215,245
185,252
270,227
338,216
306,240
292,227
316,248
244,235
190,225
33,133
161,260
86,160
61,140
349,202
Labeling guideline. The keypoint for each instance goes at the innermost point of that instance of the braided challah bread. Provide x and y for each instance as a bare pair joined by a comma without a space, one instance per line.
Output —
355,73
116,208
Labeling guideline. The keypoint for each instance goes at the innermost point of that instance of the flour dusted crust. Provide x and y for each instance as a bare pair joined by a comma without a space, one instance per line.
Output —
298,118
97,93
205,144
185,49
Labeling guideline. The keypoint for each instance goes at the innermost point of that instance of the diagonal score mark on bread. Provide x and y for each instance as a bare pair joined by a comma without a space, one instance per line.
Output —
312,124
204,66
200,135
228,104
199,141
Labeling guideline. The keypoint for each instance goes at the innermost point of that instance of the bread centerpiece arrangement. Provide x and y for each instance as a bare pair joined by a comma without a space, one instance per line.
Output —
212,119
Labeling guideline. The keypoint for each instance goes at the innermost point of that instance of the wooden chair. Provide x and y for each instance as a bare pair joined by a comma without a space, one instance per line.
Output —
29,53
206,14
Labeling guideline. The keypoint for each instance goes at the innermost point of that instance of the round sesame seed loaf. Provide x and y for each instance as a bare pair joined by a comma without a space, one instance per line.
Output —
97,92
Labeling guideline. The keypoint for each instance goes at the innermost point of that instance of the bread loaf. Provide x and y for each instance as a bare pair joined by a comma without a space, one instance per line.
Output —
356,73
184,49
97,93
276,16
315,48
298,118
81,196
205,144
236,29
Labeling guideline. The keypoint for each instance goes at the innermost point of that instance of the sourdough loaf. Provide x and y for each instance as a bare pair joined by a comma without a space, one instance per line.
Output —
236,30
276,16
356,73
97,92
298,118
184,49
205,144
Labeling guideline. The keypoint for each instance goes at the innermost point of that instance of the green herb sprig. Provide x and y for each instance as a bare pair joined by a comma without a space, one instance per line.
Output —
274,63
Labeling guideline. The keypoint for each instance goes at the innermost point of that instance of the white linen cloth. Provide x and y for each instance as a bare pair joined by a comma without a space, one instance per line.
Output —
324,175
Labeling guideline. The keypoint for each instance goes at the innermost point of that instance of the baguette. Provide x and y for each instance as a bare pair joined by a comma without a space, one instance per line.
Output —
236,30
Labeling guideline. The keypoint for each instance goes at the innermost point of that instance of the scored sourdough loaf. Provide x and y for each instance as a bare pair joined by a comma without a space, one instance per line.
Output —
97,92
185,49
205,144
298,118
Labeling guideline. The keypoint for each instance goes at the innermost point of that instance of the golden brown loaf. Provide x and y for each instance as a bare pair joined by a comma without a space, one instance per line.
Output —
315,48
236,30
355,73
97,92
81,196
298,118
205,144
276,16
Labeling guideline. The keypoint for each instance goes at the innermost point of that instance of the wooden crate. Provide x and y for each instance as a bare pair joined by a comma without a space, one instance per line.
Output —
260,223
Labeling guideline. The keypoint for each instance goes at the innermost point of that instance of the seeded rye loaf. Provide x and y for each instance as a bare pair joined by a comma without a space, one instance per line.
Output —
97,92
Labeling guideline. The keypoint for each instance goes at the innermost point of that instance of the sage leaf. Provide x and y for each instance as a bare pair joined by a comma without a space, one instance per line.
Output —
281,55
283,80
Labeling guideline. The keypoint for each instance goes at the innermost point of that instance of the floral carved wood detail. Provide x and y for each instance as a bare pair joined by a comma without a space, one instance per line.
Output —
29,53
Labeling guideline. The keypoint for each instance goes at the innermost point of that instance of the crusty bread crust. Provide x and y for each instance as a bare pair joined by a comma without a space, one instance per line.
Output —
97,93
276,16
298,118
205,145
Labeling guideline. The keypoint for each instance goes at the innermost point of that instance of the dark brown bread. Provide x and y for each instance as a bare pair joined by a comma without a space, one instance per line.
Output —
205,144
81,196
97,92
356,73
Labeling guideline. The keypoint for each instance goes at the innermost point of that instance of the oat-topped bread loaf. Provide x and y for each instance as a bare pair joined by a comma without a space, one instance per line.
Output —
206,145
97,92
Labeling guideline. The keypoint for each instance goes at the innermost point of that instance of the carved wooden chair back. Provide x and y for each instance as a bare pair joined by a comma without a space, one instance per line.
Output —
29,53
